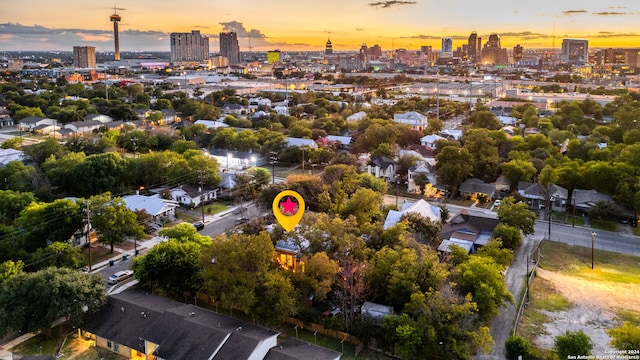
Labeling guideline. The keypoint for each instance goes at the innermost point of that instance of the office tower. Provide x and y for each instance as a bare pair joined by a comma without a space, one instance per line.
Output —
518,53
479,50
229,47
472,47
363,53
189,47
447,48
115,19
84,56
493,53
375,52
574,51
328,48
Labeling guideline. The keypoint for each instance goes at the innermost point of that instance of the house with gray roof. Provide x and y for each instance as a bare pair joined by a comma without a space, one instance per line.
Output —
139,325
536,196
476,186
159,208
414,119
584,200
420,207
382,167
468,229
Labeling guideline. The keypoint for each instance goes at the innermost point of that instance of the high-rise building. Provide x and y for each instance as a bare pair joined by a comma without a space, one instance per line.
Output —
229,47
574,51
115,19
493,53
447,48
328,48
189,47
375,52
84,56
472,47
274,56
518,53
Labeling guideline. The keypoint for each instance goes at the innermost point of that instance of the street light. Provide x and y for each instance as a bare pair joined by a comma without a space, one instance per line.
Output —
593,239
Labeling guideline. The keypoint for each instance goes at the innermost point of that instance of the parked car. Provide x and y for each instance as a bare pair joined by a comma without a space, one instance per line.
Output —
496,203
241,220
120,276
199,225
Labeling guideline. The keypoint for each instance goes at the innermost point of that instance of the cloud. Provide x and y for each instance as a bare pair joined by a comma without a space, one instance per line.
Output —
574,12
241,31
28,37
391,3
202,27
359,29
606,13
435,37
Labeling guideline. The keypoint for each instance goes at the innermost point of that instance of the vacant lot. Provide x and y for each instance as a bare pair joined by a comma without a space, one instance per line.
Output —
568,295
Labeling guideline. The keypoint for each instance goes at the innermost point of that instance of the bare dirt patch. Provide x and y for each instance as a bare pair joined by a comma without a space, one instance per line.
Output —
595,304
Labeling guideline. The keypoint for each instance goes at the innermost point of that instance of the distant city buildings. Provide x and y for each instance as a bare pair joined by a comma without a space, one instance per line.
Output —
274,56
493,53
229,47
84,57
447,48
473,47
189,48
328,48
518,53
574,51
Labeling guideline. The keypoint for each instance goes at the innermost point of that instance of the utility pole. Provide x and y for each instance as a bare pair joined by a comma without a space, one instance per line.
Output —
201,177
89,231
274,159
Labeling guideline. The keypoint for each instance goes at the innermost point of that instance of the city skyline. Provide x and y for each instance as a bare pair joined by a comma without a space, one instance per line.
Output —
285,25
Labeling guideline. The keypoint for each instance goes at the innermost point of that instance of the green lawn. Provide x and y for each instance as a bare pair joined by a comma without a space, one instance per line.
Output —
603,225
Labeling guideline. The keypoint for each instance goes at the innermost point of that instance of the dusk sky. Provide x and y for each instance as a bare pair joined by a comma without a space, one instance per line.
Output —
306,24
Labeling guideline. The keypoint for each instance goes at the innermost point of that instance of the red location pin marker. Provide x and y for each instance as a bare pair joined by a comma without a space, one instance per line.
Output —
288,207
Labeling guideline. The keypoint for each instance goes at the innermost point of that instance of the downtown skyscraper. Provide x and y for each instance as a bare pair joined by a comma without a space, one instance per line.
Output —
84,57
229,47
189,47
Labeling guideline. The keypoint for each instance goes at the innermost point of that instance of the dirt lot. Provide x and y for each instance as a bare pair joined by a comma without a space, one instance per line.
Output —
593,311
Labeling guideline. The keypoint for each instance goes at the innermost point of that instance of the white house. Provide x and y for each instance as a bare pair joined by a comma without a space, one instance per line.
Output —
382,167
430,140
420,207
189,195
155,206
211,124
422,168
414,119
357,116
9,155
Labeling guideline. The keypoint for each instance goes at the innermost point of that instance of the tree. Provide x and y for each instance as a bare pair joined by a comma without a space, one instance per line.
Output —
625,337
185,233
494,250
481,277
169,267
350,290
12,203
484,150
573,343
318,276
394,274
518,348
276,298
31,302
454,166
509,235
59,254
100,173
18,176
9,269
41,151
234,268
45,223
516,171
517,214
437,324
364,204
113,221
485,120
